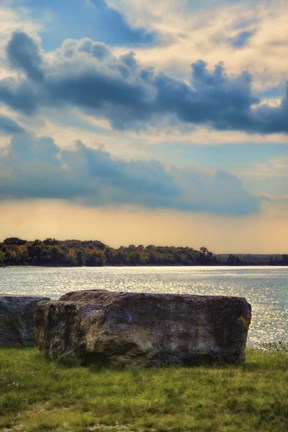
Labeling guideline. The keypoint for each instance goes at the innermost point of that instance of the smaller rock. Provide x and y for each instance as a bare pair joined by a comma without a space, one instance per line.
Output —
17,320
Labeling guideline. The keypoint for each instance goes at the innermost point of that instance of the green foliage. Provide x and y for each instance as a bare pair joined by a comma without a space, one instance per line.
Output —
14,241
52,252
42,395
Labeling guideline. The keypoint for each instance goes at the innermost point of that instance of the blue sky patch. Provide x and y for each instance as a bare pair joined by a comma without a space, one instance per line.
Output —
76,19
241,39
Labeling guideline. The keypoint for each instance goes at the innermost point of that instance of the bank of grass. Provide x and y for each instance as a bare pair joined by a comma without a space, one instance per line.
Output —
41,395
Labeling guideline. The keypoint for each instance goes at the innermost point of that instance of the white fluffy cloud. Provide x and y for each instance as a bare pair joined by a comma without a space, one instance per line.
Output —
210,32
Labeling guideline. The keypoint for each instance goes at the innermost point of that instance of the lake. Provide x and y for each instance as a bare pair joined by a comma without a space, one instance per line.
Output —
265,288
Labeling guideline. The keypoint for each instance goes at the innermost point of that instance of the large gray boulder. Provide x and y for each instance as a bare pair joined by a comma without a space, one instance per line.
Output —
17,320
116,328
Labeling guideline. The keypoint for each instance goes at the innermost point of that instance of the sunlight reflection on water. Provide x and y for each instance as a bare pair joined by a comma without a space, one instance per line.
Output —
266,288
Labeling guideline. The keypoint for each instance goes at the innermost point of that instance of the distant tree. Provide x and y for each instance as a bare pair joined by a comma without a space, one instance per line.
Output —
94,244
35,251
204,250
14,241
16,251
51,242
57,256
80,258
95,258
233,260
2,259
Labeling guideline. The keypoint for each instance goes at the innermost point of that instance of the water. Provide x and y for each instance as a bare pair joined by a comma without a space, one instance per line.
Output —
265,288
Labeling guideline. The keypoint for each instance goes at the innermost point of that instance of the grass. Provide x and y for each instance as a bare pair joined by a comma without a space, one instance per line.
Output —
39,395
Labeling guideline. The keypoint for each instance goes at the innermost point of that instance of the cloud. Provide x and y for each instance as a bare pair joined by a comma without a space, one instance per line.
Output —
241,39
87,75
12,19
9,126
92,18
206,32
276,167
24,54
38,168
237,157
115,30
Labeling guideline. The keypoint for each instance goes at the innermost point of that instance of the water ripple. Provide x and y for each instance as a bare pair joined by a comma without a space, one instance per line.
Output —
266,288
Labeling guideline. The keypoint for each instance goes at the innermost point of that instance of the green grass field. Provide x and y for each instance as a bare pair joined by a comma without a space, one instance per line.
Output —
42,395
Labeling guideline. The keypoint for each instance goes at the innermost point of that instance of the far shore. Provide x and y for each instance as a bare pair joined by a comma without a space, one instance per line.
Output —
93,253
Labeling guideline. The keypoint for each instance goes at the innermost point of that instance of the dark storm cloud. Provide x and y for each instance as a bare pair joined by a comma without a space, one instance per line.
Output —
86,74
37,168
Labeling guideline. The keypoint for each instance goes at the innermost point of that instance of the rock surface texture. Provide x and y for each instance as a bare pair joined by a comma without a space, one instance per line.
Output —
115,328
17,320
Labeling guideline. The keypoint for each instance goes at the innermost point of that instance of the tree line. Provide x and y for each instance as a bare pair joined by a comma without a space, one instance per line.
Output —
52,252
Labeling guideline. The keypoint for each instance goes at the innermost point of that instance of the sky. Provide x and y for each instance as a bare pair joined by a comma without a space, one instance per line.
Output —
143,122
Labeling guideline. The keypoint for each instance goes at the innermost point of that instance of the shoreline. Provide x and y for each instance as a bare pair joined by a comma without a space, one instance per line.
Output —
146,265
